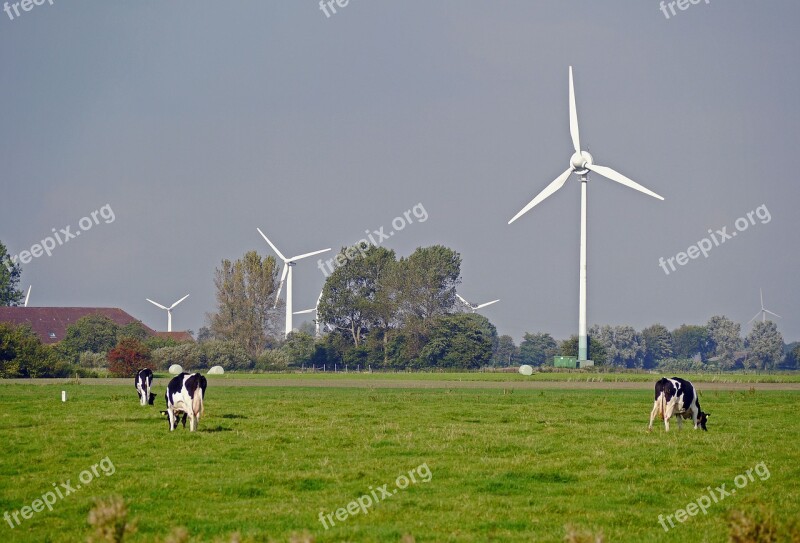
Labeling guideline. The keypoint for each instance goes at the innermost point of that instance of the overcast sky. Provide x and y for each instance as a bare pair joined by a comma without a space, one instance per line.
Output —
197,122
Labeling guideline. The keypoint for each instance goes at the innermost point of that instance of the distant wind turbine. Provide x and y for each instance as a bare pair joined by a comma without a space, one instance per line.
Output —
168,310
580,164
763,311
286,275
475,307
314,310
27,296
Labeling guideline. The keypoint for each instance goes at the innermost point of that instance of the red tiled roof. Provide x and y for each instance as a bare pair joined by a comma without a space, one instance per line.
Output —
50,323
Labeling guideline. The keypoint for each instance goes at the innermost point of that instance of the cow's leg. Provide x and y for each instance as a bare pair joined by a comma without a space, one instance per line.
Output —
668,414
172,419
653,415
184,420
694,417
680,422
192,422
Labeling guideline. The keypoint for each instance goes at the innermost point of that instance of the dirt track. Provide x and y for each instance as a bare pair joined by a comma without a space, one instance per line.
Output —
421,384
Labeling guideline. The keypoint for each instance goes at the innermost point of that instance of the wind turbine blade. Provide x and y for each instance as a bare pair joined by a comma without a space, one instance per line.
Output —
487,303
573,116
754,318
761,293
173,306
771,313
305,311
280,285
28,296
466,303
619,178
299,257
548,190
156,304
271,245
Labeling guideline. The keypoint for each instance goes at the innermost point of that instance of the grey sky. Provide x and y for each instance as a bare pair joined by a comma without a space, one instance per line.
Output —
199,121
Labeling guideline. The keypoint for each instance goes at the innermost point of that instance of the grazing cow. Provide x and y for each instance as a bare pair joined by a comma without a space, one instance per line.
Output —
143,384
184,395
677,397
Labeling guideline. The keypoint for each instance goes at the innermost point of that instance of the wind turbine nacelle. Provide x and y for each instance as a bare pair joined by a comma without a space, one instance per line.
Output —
579,161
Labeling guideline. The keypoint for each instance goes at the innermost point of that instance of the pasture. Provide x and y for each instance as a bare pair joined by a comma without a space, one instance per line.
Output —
505,464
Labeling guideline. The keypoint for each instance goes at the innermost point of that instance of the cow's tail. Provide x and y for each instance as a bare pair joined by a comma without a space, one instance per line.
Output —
662,405
197,402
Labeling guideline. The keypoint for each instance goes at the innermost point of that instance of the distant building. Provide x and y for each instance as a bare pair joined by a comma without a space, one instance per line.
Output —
50,323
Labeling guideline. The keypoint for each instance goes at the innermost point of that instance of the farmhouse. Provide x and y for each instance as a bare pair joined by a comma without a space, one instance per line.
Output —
50,323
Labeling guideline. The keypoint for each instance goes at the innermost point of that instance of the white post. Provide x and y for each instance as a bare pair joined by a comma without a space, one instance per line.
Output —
63,395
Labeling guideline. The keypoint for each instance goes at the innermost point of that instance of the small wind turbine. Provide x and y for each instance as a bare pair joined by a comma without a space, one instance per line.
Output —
580,164
28,296
475,307
168,310
763,311
314,310
286,275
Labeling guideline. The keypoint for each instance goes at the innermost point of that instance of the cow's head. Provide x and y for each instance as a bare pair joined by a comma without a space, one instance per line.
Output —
702,418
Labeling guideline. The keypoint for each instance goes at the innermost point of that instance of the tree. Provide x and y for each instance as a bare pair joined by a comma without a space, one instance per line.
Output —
127,357
765,346
428,280
537,349
461,340
298,348
94,333
23,355
603,336
689,341
657,345
135,330
629,346
724,339
506,353
352,293
10,273
246,291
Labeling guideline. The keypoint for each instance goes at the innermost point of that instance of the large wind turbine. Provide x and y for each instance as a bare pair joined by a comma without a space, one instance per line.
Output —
475,307
315,311
763,311
168,310
581,163
286,275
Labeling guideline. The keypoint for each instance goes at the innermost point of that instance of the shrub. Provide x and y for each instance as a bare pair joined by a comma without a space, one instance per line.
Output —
128,357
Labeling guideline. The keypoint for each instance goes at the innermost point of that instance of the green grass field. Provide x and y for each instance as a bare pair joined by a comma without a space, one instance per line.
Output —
503,466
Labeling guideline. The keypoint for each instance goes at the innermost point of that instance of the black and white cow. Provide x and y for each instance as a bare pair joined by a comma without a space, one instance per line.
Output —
143,384
185,393
677,397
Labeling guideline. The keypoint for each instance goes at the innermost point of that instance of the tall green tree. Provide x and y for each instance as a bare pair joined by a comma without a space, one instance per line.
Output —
537,349
360,294
94,333
428,280
724,337
506,353
629,346
10,273
657,344
246,291
765,346
690,340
